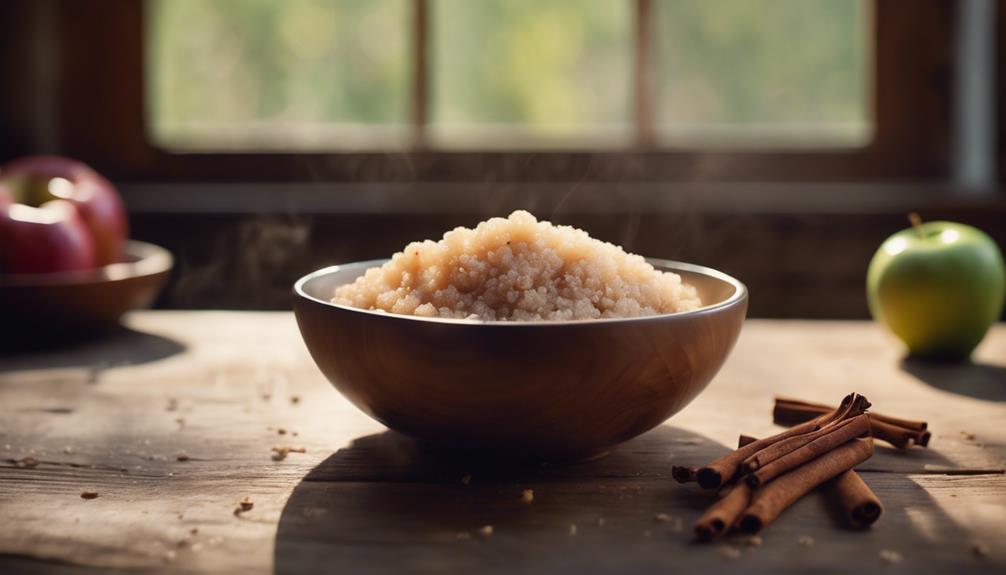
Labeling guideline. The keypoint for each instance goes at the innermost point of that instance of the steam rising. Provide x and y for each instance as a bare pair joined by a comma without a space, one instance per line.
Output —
247,266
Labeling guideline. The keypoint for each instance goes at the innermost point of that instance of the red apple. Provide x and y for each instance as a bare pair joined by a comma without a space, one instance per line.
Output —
36,180
50,238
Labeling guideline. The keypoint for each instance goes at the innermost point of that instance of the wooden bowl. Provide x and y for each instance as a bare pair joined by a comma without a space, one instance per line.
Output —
59,307
550,390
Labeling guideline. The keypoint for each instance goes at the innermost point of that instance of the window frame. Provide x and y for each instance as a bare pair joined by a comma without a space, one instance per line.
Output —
102,119
1001,91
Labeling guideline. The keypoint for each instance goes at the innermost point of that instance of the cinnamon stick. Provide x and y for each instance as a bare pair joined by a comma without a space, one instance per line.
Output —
831,438
743,440
724,469
860,507
683,473
791,413
899,432
797,404
724,513
899,437
769,501
780,448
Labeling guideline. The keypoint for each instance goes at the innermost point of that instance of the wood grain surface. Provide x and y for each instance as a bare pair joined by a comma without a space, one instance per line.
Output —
173,421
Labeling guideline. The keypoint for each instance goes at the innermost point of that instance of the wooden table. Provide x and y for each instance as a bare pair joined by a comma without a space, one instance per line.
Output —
172,422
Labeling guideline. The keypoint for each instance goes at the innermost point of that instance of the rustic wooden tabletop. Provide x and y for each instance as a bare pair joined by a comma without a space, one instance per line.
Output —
171,423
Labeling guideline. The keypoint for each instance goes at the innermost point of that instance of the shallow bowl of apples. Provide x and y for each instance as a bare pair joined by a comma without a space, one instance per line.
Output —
67,268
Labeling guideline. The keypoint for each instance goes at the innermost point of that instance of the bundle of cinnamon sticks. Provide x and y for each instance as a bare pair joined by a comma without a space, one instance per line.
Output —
763,477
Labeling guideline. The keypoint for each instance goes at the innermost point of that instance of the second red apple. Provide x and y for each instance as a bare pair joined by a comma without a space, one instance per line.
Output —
38,179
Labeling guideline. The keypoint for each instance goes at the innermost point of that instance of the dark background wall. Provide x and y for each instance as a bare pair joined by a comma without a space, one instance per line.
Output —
807,263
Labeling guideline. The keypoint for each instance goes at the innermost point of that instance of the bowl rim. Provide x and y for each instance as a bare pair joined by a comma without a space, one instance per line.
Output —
740,294
146,260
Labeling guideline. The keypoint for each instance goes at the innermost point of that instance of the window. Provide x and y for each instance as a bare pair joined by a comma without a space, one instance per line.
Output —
232,74
763,73
335,74
531,72
445,96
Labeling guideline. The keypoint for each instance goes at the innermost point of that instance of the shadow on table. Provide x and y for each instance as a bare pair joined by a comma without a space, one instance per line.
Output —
389,504
978,380
386,504
116,347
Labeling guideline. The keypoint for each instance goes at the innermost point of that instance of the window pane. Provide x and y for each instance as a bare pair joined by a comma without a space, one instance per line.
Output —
763,72
526,71
274,75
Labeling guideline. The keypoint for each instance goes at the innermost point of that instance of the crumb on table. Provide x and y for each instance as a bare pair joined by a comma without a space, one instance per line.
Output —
244,506
26,462
890,556
280,453
730,552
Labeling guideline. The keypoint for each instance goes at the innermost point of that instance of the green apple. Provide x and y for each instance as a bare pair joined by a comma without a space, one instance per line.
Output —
938,286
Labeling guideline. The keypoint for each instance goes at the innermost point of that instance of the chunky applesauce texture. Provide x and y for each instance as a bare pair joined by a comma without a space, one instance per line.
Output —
518,269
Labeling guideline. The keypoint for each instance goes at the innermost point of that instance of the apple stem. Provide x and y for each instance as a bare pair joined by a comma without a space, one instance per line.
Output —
916,223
